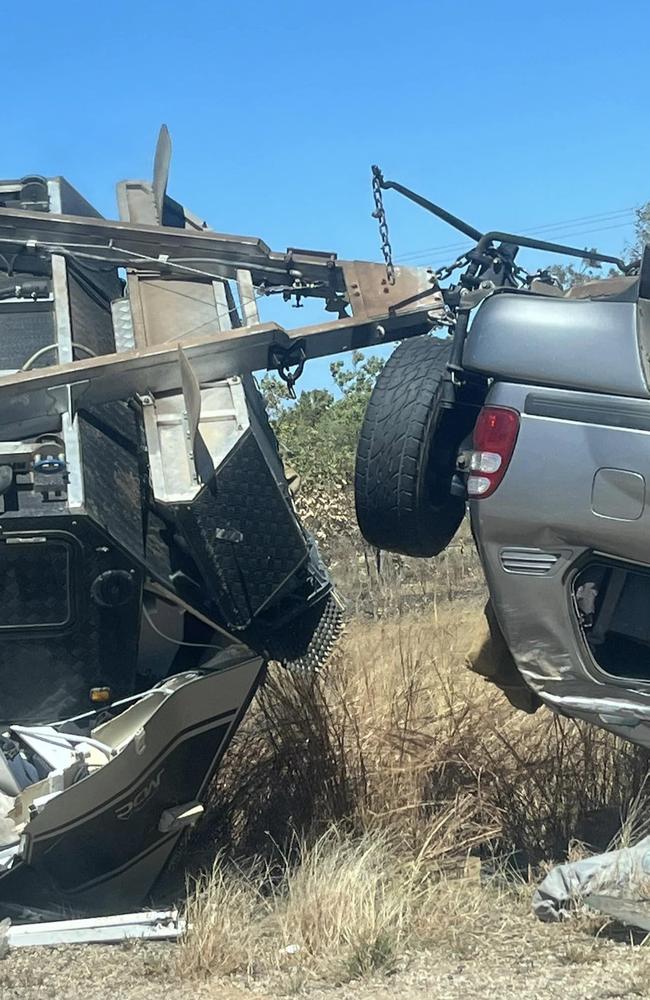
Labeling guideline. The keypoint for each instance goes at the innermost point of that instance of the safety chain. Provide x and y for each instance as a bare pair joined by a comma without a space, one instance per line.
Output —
380,215
445,272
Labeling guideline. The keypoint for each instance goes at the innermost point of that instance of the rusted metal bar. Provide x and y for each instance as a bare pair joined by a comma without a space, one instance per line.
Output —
56,389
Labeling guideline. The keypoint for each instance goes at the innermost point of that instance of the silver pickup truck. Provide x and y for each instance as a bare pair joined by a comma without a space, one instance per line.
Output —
536,413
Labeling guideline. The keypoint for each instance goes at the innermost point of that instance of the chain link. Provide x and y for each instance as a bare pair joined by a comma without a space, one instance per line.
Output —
380,215
445,272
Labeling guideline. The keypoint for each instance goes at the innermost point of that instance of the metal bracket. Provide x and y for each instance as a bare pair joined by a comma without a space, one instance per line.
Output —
289,362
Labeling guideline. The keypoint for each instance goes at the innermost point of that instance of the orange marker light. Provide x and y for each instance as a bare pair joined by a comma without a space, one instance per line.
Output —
102,694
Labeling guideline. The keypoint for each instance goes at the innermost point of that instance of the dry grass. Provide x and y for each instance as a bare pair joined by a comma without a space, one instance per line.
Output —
399,735
360,795
339,908
383,584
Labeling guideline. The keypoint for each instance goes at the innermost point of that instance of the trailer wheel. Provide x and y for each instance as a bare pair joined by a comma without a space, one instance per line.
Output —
406,455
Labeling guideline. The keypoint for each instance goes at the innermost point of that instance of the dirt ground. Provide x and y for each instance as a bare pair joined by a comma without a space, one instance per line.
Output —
529,960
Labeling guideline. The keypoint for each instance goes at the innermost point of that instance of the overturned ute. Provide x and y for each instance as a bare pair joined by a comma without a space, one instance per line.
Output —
151,560
536,413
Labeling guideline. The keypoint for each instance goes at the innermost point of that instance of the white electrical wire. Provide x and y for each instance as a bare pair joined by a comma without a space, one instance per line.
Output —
177,642
76,251
54,347
223,314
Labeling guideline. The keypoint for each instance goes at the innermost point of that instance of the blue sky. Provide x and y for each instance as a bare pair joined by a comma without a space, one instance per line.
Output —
511,116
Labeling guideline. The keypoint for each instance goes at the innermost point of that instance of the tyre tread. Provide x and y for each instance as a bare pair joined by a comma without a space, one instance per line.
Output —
393,510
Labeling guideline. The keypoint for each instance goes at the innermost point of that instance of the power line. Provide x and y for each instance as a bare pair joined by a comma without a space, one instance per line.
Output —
533,230
441,262
604,217
554,234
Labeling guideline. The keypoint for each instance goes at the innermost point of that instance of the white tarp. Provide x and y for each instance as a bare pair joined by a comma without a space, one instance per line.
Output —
622,875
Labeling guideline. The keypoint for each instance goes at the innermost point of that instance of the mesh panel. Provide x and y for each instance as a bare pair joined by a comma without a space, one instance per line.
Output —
24,329
90,312
34,584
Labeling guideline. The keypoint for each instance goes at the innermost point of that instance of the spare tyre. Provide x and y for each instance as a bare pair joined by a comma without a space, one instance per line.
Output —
406,456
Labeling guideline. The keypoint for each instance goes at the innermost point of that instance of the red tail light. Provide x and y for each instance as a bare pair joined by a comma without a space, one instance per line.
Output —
495,436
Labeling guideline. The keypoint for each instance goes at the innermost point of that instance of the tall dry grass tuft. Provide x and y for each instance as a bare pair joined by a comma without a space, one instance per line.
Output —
399,736
338,908
221,910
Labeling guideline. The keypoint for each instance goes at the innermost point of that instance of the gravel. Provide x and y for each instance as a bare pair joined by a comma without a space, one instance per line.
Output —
525,960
